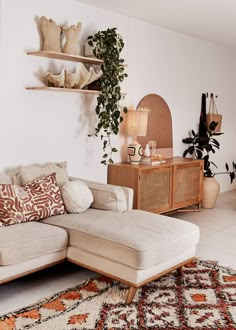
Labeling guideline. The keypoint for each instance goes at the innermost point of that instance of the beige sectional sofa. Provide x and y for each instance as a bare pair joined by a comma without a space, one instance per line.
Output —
109,237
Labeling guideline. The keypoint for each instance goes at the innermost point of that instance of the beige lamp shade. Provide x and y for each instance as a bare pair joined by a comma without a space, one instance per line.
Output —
136,122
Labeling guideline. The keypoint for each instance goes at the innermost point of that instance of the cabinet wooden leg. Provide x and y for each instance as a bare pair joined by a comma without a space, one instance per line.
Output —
130,294
180,271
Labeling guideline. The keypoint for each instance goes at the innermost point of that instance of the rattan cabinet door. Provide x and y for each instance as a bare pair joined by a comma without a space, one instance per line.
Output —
186,184
155,190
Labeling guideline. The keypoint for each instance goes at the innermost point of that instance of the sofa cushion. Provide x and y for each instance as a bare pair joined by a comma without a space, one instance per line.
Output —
5,178
30,240
110,197
77,196
32,172
42,198
135,238
31,202
11,209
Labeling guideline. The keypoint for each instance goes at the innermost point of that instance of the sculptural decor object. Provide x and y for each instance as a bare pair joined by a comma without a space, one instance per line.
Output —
56,80
78,79
81,77
51,35
72,34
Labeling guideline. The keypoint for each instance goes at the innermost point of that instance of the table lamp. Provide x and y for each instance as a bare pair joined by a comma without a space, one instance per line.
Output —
136,125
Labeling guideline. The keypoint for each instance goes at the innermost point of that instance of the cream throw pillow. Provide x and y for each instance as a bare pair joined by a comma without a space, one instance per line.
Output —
33,172
77,196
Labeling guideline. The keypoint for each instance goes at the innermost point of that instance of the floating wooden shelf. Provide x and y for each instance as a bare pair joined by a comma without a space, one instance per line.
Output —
66,57
66,90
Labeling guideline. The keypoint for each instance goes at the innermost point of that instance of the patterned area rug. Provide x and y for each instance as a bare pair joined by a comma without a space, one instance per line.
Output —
203,298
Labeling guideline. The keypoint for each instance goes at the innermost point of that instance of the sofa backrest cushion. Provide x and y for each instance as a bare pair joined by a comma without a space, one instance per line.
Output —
31,202
33,172
5,178
77,196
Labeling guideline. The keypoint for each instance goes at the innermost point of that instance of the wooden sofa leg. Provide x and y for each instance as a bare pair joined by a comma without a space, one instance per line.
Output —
131,294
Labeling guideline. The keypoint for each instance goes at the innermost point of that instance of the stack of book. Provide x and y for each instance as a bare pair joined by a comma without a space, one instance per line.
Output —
153,160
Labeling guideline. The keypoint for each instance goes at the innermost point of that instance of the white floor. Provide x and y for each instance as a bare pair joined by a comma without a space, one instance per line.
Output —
217,242
217,230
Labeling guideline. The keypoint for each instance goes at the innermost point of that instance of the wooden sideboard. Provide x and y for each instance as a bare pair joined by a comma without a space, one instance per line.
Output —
161,188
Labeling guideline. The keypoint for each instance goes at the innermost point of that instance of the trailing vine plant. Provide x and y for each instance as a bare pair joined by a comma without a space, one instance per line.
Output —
107,46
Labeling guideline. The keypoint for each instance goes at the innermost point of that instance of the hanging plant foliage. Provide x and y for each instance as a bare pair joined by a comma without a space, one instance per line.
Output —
107,46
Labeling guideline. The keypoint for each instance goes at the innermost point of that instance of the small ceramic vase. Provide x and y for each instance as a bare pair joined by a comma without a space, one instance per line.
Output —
147,151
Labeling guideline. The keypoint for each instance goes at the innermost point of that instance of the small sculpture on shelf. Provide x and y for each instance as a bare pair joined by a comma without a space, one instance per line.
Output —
51,35
56,80
72,34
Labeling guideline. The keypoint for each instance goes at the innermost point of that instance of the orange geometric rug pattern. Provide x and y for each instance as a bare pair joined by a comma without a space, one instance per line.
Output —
203,298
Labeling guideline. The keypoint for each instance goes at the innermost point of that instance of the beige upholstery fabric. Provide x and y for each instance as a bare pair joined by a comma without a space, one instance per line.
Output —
14,173
33,172
5,178
30,240
29,265
77,196
135,238
125,272
110,197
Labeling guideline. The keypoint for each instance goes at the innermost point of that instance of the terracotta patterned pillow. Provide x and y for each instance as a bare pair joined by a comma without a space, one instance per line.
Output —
31,202
11,210
41,198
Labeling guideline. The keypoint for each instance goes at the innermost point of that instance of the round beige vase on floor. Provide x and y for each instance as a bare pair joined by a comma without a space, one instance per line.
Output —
210,192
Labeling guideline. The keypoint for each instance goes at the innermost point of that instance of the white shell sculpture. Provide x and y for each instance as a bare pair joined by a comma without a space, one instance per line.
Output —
94,75
81,77
78,79
57,80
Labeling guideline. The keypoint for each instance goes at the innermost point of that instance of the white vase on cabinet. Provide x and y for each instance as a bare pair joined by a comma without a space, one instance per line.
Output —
147,151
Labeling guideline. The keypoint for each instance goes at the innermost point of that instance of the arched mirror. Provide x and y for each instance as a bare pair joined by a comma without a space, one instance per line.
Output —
159,128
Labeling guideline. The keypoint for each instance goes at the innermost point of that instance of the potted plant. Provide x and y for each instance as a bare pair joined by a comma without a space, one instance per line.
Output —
107,46
200,147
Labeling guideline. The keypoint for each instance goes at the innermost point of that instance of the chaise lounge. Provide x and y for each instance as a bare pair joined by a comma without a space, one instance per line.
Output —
131,246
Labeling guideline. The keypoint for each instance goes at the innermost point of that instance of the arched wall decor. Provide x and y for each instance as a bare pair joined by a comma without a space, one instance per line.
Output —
159,128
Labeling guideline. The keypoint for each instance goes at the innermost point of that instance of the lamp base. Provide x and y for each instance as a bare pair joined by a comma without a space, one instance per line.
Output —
135,152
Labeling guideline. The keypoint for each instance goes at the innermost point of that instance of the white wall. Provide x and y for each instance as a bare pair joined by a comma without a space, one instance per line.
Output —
44,126
180,68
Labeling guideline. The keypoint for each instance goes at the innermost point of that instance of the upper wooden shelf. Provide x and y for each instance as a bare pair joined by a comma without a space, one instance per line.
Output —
66,57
